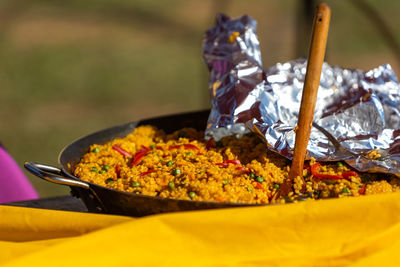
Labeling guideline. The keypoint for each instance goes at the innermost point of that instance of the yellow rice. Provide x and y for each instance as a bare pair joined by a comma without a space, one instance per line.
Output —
183,165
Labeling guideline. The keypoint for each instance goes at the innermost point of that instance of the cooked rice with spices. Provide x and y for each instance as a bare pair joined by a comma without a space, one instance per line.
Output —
183,165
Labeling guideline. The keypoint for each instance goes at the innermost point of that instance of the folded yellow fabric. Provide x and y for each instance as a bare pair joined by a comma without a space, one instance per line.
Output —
363,231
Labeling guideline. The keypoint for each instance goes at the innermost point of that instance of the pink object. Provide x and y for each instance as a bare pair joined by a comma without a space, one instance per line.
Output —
14,186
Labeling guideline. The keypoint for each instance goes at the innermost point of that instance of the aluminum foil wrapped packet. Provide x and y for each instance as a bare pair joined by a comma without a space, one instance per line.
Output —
356,112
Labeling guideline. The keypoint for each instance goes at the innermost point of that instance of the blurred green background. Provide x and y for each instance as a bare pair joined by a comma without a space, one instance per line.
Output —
70,68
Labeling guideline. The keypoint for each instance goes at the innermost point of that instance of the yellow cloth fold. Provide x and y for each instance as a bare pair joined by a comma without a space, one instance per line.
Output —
363,231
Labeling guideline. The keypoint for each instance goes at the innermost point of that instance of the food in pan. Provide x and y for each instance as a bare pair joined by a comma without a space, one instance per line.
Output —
183,165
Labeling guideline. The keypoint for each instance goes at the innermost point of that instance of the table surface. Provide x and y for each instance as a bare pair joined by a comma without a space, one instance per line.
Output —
66,203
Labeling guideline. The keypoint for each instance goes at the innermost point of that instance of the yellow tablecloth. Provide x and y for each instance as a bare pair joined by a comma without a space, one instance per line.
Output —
362,231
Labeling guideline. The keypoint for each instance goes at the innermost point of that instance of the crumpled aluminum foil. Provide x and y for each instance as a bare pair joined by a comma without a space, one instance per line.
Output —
357,111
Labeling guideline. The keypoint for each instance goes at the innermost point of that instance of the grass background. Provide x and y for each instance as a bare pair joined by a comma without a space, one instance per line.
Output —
69,68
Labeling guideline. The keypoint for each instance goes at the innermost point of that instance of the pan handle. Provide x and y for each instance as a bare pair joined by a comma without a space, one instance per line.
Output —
55,175
52,174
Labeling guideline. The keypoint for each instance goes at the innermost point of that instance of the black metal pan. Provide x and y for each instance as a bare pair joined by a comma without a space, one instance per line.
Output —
106,200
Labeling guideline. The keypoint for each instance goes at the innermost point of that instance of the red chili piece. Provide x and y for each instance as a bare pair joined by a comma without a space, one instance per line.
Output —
362,189
315,172
348,174
145,173
226,162
121,151
137,158
190,146
117,171
243,169
139,155
233,161
174,147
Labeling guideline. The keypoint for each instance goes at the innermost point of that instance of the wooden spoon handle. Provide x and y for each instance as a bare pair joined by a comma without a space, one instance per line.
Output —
310,89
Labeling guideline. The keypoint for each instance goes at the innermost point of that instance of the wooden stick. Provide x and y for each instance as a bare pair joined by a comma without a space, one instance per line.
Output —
310,89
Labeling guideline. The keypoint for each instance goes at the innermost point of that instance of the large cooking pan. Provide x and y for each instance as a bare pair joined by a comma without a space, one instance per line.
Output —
106,200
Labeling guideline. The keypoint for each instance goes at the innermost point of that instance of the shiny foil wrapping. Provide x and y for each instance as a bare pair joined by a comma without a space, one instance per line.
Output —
356,112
